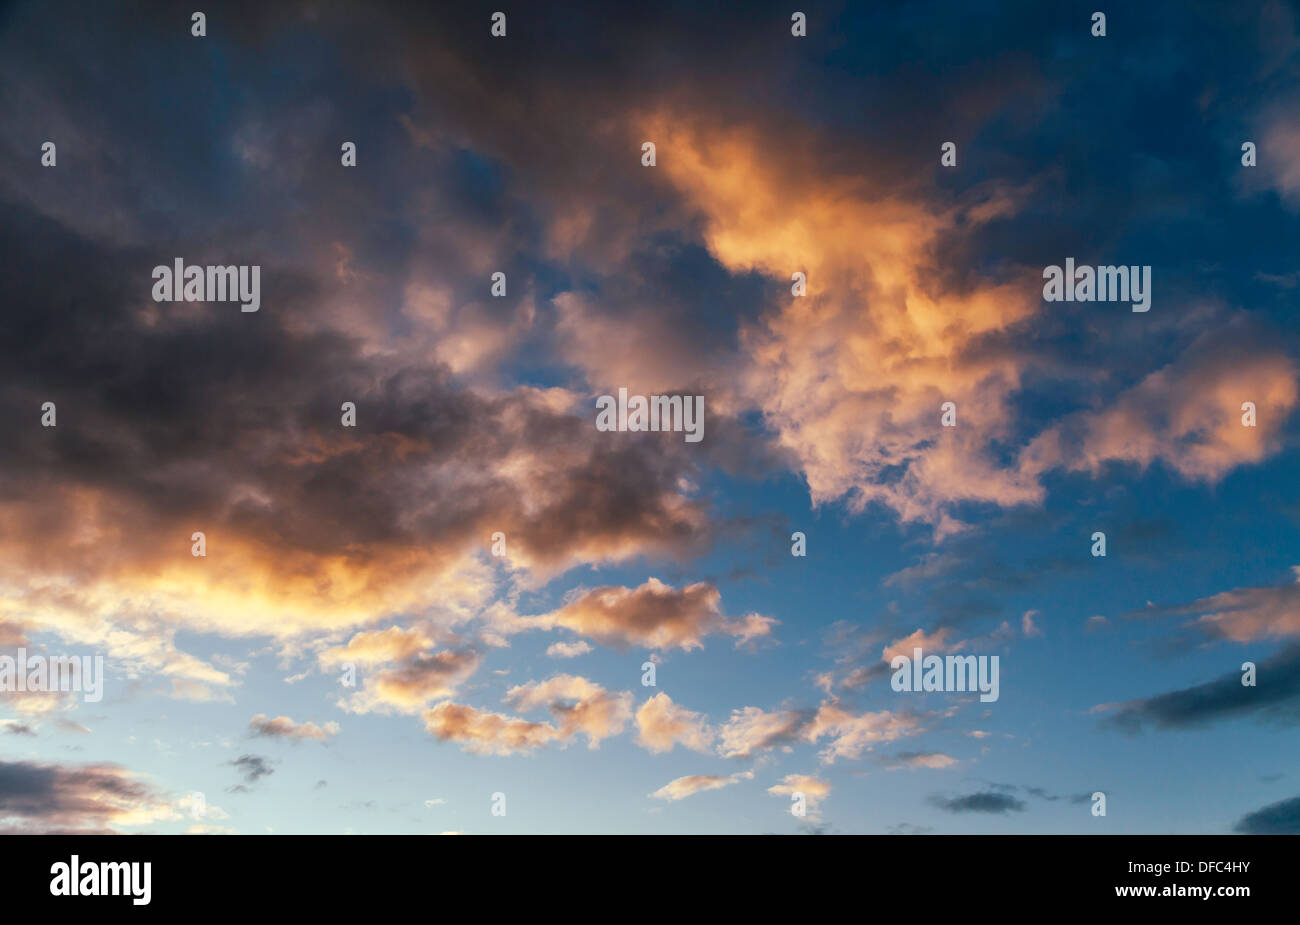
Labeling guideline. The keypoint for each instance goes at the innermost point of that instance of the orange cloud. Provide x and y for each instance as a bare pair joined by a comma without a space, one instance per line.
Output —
802,783
1188,414
409,686
662,725
750,730
850,734
851,375
654,615
377,646
484,732
813,789
1248,614
683,787
927,642
568,649
577,707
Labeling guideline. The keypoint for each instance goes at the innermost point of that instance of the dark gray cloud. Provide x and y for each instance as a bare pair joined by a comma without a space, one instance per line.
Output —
1275,698
251,768
989,801
1280,818
179,418
54,798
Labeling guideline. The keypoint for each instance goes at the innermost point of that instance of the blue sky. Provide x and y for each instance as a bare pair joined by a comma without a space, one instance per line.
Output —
371,546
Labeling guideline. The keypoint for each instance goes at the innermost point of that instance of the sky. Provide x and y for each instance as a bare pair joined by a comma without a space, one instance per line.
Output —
444,614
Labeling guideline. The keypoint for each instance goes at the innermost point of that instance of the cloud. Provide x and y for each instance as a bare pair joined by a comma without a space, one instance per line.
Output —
662,725
484,732
282,727
1245,614
1187,414
38,798
850,377
802,783
38,703
1275,697
984,802
654,615
851,733
1280,818
195,806
927,642
568,649
683,787
414,682
934,760
907,828
373,647
1278,158
12,634
312,529
251,768
577,707
750,730
813,789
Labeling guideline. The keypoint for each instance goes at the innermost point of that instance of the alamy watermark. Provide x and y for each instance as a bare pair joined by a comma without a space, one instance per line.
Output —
76,877
67,673
179,283
1098,284
658,412
950,673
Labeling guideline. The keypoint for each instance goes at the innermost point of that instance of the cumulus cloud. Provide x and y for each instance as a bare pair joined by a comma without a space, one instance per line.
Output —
847,734
577,706
373,647
485,732
312,529
1187,414
813,789
751,730
662,725
851,376
654,615
568,649
414,682
850,734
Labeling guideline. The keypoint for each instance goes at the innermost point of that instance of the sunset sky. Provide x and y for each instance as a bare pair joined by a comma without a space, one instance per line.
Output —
371,546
